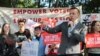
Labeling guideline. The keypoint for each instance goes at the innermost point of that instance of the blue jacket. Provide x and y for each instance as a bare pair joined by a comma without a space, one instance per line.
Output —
41,50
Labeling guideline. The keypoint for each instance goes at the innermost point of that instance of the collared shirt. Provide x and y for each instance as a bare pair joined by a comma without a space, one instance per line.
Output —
72,26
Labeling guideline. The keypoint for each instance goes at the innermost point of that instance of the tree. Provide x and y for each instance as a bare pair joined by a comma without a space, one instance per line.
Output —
92,7
26,4
5,3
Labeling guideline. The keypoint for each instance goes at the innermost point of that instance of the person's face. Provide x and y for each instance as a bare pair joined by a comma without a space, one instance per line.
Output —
74,14
97,27
6,28
37,32
21,25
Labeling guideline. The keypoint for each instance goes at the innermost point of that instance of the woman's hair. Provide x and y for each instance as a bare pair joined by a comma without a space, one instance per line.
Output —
27,33
92,26
2,32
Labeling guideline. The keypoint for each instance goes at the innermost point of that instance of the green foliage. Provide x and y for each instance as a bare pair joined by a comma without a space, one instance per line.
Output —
26,4
5,3
92,7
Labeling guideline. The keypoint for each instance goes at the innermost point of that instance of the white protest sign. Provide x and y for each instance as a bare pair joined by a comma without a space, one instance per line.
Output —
29,48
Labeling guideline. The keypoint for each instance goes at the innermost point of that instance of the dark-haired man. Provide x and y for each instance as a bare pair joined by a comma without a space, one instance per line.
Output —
22,34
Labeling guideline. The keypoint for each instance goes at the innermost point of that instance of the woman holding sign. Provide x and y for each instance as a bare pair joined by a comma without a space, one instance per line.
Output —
93,39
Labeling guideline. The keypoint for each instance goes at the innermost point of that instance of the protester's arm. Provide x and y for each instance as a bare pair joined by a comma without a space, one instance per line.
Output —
83,34
56,29
17,44
80,35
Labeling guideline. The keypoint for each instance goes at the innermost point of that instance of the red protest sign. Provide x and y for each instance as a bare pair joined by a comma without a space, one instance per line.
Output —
92,40
51,38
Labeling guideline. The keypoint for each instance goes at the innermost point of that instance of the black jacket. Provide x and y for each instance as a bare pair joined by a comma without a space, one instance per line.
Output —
7,45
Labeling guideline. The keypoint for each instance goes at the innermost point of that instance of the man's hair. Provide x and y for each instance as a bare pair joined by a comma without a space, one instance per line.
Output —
37,28
75,8
21,20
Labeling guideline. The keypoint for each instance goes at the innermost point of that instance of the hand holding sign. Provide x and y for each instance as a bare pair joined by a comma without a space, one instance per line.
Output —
44,22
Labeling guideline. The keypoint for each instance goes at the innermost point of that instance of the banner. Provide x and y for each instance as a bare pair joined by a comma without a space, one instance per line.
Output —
33,16
11,15
92,40
88,18
55,16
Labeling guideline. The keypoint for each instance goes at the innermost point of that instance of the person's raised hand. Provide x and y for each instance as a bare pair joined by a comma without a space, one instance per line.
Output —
44,22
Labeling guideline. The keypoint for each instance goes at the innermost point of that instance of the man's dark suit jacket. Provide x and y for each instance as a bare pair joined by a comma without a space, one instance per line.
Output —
68,45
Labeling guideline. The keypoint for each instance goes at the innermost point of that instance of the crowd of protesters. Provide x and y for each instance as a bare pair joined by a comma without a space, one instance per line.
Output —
73,34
